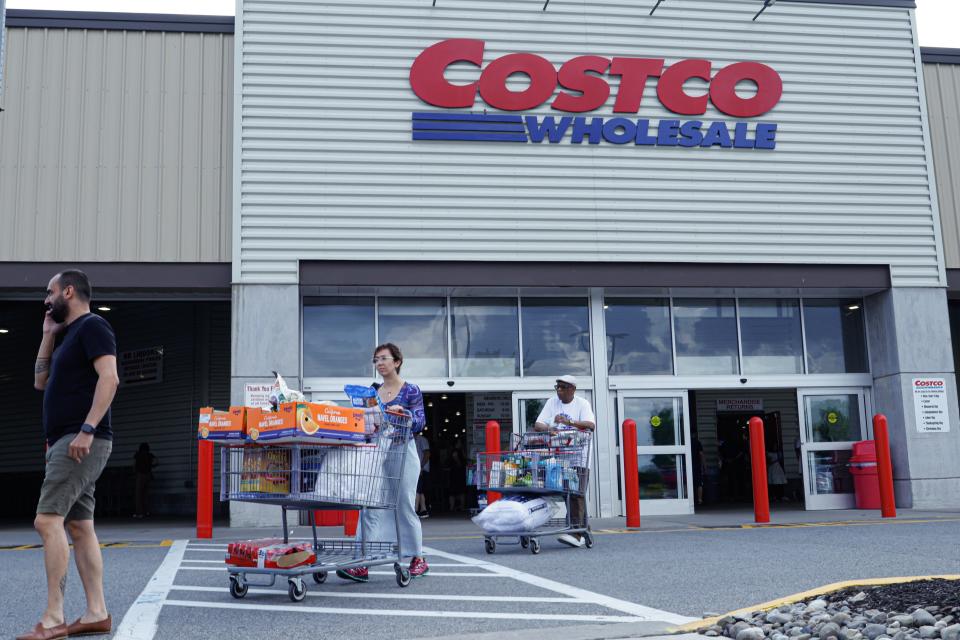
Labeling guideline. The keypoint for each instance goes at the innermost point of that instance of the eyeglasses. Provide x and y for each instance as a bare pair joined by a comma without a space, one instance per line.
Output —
382,359
563,387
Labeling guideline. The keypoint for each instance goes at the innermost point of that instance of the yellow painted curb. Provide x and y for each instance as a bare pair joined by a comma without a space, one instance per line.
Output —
804,595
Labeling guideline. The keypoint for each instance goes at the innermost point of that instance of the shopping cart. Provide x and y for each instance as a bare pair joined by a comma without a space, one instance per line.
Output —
552,464
300,477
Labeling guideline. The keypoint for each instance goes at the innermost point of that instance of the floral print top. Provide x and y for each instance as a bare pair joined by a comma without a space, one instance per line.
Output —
411,399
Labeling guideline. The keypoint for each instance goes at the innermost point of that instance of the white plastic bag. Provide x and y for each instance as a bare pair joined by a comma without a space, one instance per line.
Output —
514,513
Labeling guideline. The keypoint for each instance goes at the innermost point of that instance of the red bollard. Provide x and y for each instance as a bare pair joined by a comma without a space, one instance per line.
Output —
881,436
758,463
350,523
205,489
493,446
631,476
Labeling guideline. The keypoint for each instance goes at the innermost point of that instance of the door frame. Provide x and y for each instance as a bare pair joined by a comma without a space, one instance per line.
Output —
676,506
813,501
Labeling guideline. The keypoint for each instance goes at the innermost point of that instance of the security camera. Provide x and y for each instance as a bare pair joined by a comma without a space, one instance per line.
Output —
743,381
450,383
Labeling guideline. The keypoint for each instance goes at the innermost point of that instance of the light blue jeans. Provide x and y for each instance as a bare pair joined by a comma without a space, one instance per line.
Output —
379,524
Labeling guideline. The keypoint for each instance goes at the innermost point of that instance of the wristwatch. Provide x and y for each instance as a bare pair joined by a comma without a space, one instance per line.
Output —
88,428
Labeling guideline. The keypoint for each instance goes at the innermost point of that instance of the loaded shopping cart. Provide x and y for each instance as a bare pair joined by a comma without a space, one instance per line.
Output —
309,477
552,465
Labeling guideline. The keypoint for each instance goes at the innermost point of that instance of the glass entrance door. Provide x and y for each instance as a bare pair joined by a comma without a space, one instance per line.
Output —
832,420
663,449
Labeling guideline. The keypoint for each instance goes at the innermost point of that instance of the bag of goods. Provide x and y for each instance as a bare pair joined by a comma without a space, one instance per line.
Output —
361,396
514,513
270,553
265,471
222,426
308,423
353,475
282,393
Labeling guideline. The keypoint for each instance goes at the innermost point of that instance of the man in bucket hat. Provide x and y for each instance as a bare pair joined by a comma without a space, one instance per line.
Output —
568,411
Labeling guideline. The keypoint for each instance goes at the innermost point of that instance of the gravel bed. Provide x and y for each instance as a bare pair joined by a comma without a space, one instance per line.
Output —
925,609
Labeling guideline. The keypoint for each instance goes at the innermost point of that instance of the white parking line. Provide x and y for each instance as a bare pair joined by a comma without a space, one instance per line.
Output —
637,610
402,613
398,595
140,621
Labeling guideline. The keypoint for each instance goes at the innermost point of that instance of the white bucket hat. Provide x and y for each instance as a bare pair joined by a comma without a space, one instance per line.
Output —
570,380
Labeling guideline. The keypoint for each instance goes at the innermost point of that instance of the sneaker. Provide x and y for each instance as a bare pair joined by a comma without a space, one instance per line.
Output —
425,514
571,540
357,574
418,567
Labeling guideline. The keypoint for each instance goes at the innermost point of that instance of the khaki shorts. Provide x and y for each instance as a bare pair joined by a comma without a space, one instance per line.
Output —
68,486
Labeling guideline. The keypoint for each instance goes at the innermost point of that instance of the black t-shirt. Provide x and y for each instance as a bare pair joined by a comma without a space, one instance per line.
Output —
73,378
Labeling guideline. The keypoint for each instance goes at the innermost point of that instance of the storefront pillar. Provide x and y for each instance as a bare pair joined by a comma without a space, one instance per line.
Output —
907,329
266,338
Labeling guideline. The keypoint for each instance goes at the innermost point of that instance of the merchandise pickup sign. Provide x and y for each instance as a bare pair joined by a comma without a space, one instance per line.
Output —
143,366
930,405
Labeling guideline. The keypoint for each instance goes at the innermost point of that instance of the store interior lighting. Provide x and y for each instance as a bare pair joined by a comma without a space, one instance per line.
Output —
104,309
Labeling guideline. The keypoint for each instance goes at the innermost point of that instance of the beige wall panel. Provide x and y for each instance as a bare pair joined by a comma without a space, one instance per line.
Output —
115,146
943,104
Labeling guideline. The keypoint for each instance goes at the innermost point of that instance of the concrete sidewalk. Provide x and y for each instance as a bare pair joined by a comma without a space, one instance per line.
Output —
118,531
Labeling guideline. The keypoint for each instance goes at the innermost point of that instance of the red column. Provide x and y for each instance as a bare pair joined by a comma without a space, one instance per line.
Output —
204,489
350,523
758,463
881,436
631,478
493,446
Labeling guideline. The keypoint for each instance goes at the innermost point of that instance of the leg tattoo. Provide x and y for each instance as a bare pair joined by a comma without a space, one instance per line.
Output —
63,584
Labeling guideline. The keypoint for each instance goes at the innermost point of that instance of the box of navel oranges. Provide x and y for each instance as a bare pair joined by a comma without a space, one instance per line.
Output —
307,422
223,426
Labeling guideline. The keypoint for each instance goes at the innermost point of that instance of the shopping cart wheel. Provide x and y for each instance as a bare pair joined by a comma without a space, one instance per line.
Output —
524,541
403,575
588,539
490,545
296,589
238,588
534,546
320,577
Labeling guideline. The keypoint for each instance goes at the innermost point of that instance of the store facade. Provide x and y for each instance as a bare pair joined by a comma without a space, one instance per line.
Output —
690,211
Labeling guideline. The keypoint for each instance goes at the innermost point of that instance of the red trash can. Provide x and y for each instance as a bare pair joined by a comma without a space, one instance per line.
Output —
863,468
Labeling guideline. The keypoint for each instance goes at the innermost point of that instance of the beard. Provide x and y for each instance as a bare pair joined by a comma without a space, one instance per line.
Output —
59,310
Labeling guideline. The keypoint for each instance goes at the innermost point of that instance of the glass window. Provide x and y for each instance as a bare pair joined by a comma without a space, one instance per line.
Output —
658,422
486,337
638,336
338,337
556,336
419,327
771,336
833,418
706,335
835,336
830,472
661,477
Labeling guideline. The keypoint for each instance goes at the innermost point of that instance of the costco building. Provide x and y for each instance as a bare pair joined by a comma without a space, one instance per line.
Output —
701,213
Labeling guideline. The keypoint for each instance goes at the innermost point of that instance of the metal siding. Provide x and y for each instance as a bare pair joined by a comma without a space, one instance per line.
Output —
942,83
115,146
326,152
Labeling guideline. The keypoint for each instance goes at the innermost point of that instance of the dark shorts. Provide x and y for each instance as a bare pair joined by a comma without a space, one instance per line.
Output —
423,482
68,486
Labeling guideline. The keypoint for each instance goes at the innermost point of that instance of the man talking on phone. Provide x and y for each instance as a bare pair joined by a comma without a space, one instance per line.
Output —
79,380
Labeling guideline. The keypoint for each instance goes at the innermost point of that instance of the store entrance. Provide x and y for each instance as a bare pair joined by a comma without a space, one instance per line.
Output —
721,447
456,431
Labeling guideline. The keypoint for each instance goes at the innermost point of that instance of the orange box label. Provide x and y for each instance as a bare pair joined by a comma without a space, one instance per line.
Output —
305,421
222,425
